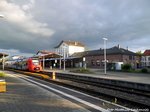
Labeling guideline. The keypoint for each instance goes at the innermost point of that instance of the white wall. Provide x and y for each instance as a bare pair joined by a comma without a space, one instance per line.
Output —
69,50
73,49
118,65
145,61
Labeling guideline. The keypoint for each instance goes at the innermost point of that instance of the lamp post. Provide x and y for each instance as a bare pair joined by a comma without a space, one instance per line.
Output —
2,16
64,57
84,62
60,62
43,62
3,62
105,60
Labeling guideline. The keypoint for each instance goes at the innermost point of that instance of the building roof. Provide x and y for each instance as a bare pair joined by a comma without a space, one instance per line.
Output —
71,43
146,53
113,50
47,54
44,52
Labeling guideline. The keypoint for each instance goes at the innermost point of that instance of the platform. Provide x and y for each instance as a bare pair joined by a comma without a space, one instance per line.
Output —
121,76
22,96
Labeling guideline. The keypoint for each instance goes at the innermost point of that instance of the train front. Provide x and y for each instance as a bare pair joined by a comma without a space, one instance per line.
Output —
34,65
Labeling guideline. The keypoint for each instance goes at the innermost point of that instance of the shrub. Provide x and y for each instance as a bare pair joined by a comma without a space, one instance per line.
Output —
81,70
126,67
144,70
2,74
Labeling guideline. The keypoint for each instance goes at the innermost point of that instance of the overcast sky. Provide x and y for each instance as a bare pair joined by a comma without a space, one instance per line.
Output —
32,25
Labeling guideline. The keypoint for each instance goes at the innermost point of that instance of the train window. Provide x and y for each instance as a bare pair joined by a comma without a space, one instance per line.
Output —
35,62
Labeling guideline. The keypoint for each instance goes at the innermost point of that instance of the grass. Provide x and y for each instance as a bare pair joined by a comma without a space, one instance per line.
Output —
132,71
82,70
2,74
135,71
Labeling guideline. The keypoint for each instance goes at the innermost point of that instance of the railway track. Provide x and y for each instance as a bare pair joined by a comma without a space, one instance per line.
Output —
99,84
121,95
141,98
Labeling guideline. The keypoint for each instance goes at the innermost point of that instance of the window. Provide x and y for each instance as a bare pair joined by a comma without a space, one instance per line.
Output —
98,62
93,62
131,57
143,58
35,62
148,58
143,64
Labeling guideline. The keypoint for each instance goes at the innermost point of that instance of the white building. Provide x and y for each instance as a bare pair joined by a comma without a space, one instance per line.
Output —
69,47
145,60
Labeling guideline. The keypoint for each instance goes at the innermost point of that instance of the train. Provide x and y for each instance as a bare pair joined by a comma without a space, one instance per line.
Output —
27,64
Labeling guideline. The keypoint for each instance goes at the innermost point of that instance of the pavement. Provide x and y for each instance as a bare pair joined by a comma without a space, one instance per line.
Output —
22,96
123,76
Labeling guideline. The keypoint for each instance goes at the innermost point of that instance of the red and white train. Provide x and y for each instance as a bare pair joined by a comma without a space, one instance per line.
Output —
28,64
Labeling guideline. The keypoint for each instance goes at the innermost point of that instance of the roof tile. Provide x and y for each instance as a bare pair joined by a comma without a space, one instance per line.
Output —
147,53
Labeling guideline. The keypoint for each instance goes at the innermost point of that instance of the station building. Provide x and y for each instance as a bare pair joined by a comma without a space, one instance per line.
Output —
68,48
65,50
55,59
48,58
75,56
115,55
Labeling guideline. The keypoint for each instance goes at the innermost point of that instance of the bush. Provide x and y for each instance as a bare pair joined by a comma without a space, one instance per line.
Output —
2,74
81,70
144,70
126,67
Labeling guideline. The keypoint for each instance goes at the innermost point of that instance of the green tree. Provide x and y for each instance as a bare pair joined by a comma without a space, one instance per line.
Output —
139,53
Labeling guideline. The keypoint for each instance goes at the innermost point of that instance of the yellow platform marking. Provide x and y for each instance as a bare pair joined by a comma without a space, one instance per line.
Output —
34,74
53,76
2,86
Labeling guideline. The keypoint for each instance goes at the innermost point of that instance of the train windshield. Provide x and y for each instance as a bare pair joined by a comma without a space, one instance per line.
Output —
35,62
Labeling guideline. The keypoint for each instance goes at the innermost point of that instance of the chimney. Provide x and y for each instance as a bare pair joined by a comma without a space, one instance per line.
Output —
118,46
75,43
127,48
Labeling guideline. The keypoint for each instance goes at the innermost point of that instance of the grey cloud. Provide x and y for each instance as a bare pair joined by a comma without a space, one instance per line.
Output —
122,22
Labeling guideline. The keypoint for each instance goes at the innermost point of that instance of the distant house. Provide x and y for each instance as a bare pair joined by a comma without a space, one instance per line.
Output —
115,55
146,59
69,47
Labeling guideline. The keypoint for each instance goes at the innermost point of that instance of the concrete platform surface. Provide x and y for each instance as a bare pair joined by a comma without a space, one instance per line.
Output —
122,76
22,96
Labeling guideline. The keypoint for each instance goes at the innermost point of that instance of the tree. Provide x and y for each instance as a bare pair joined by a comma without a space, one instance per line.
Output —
139,53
